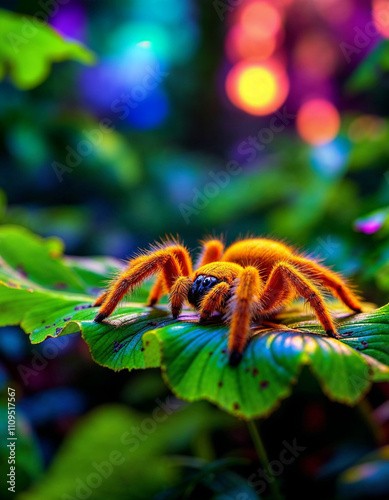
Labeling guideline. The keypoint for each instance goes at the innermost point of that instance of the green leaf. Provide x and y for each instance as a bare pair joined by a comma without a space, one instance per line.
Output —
193,357
195,363
28,46
40,290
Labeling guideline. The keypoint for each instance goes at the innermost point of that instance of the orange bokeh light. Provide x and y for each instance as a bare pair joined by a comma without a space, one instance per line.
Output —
316,54
241,45
381,16
257,88
260,19
318,121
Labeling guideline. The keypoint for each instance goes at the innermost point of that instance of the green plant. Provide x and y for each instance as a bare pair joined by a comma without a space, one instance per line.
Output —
29,46
50,295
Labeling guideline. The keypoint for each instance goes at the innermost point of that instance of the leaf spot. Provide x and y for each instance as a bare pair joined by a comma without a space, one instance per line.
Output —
263,384
58,330
67,319
236,406
255,371
220,384
117,346
20,269
82,306
60,286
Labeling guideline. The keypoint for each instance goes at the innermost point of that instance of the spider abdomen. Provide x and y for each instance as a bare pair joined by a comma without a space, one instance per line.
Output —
260,253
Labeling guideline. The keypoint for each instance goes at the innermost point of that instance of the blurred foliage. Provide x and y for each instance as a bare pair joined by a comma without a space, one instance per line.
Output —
367,478
28,47
127,460
369,73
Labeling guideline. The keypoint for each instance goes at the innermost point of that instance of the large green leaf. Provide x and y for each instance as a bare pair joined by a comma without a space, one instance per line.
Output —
195,362
28,46
193,357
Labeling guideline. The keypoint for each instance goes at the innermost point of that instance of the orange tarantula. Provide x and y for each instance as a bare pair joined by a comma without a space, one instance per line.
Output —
251,280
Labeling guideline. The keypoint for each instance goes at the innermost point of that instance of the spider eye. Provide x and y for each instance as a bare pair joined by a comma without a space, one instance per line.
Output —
201,285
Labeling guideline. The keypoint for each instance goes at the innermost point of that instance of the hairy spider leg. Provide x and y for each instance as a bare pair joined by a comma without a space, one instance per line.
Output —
284,275
140,269
100,299
240,311
329,280
212,251
215,300
159,288
179,294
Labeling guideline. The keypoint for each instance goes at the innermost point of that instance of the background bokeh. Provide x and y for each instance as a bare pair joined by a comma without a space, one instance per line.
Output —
202,117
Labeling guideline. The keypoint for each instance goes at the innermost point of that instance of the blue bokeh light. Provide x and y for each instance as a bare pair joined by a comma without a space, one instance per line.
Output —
330,160
150,112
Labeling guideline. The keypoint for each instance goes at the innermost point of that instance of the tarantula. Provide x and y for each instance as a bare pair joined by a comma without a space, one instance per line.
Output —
251,280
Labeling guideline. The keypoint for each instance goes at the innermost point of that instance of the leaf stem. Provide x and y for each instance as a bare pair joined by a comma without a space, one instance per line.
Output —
263,458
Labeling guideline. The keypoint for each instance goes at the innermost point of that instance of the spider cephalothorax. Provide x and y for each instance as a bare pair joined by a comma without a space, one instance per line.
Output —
250,281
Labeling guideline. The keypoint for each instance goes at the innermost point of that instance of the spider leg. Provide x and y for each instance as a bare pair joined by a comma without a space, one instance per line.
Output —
156,292
139,269
212,251
214,300
159,288
240,311
178,294
285,275
273,300
100,299
330,280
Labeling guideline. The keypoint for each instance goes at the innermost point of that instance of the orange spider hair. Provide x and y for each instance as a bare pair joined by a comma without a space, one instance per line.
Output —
251,280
